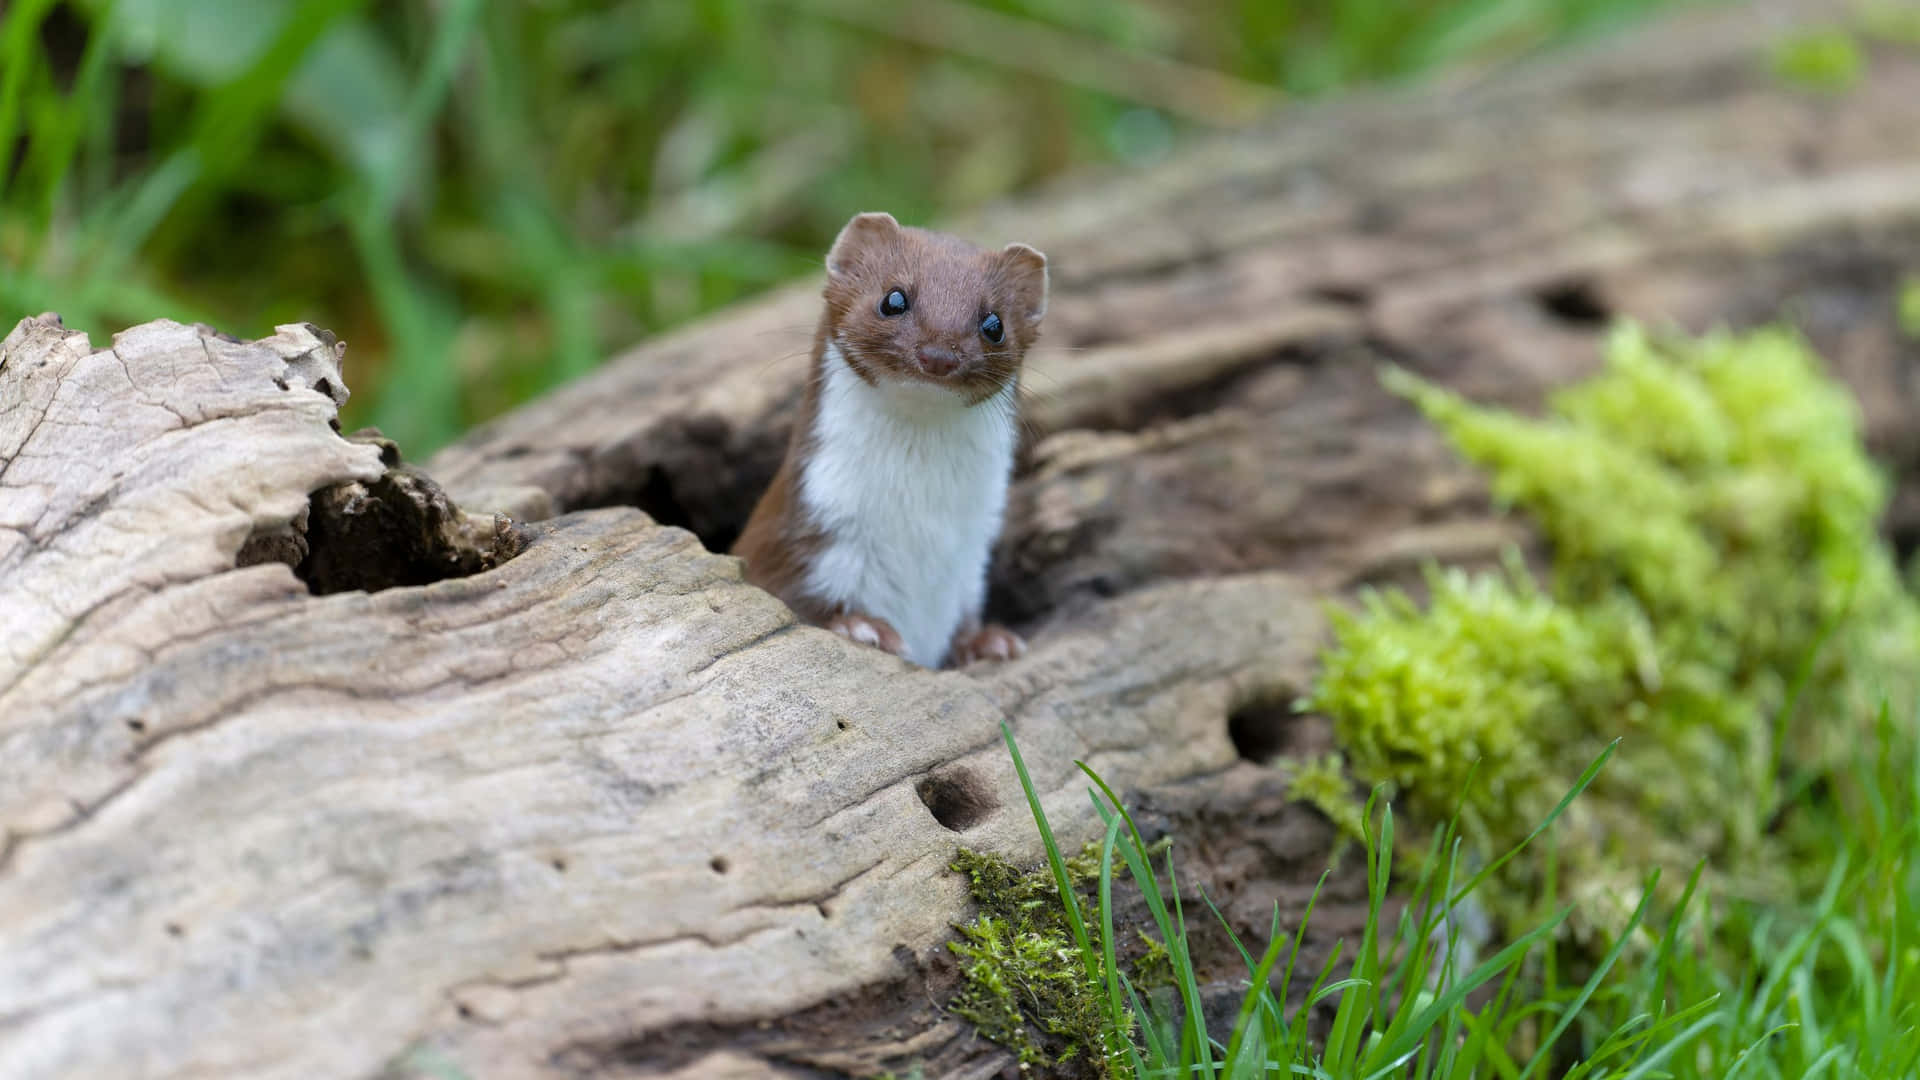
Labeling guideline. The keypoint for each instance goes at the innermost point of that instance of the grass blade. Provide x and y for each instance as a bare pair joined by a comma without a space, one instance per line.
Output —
1579,786
1054,860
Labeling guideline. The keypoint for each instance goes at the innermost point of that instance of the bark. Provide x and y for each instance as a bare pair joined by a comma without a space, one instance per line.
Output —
314,763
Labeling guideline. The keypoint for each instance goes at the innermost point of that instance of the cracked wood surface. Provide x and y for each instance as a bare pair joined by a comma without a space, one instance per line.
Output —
586,803
513,818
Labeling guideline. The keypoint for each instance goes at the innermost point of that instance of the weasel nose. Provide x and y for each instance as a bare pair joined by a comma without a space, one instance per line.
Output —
937,360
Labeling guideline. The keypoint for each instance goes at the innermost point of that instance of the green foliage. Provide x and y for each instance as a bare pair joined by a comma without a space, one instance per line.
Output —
1824,61
1728,704
1909,308
1404,999
1423,699
1828,987
484,199
1724,619
1721,601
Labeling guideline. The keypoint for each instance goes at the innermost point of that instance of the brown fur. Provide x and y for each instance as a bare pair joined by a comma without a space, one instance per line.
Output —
951,285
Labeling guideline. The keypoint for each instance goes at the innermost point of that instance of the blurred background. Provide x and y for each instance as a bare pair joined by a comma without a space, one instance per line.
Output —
487,198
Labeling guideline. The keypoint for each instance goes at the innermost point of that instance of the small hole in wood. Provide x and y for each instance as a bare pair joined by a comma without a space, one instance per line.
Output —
1357,296
1260,730
558,863
719,864
1576,303
957,798
136,725
174,929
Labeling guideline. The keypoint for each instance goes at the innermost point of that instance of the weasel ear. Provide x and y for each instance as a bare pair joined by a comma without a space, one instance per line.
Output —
1025,272
858,239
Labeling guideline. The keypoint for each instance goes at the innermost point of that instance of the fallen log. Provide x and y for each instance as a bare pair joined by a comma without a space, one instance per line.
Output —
313,763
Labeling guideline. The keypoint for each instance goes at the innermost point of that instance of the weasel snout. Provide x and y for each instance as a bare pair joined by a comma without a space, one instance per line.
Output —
937,360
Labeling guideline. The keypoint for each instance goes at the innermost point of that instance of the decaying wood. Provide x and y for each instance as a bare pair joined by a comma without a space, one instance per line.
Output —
306,770
521,818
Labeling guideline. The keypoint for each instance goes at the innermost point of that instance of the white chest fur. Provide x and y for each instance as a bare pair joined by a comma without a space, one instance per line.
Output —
908,486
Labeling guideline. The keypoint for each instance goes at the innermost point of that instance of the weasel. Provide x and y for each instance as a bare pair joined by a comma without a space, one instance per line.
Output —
881,519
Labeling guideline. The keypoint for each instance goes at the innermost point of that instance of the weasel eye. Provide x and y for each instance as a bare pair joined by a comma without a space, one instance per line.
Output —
894,303
990,328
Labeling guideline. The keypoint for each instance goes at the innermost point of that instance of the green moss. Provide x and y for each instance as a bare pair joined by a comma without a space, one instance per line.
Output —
1324,784
1712,517
1021,972
1154,968
1908,310
1827,61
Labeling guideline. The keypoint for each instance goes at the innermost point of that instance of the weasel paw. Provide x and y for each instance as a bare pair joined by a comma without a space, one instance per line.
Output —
987,643
868,630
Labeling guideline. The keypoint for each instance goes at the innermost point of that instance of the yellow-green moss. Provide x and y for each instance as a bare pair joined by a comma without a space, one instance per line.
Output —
1827,61
1154,968
1712,517
1020,968
1908,312
1325,784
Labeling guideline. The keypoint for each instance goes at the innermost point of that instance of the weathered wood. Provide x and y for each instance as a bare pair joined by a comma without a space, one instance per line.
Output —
562,795
522,817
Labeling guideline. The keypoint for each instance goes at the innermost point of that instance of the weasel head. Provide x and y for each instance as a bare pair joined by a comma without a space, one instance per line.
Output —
909,305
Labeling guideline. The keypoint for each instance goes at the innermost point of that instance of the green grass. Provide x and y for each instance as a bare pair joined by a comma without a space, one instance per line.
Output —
485,199
1831,988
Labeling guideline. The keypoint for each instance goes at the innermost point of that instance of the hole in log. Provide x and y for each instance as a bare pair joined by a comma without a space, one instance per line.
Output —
957,798
699,473
719,864
1261,730
655,498
1575,303
398,530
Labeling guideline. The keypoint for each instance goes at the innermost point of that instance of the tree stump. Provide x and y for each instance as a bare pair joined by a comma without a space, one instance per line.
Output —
313,763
